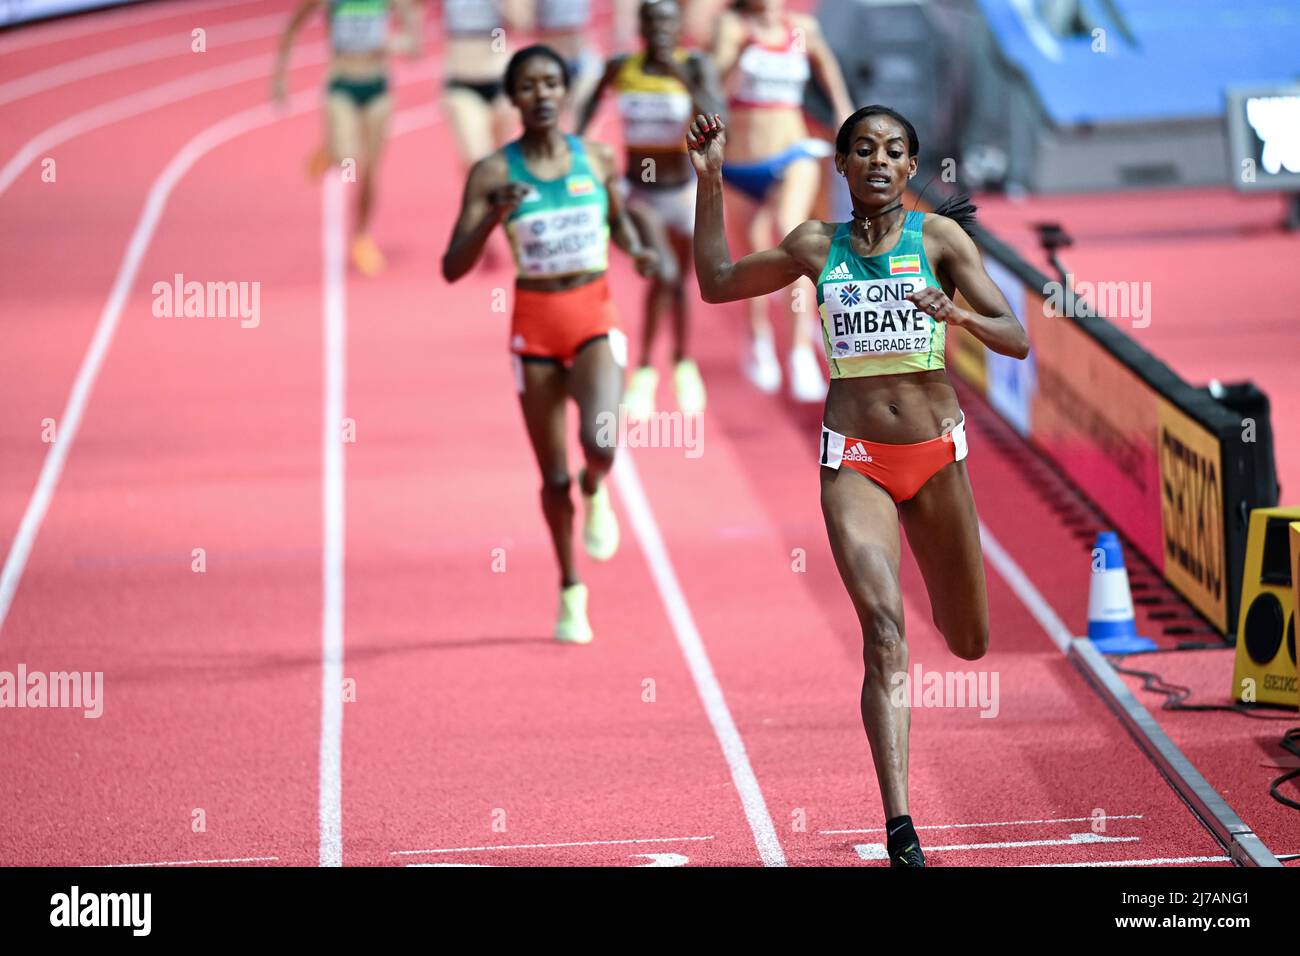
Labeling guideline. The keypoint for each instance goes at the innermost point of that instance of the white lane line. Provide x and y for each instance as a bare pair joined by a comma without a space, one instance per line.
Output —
70,422
333,492
1024,589
697,659
1075,839
550,846
1000,823
1162,861
237,859
180,164
114,111
134,54
334,318
41,34
877,851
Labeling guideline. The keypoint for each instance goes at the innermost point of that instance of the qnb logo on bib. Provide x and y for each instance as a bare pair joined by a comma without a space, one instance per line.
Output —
1276,121
874,317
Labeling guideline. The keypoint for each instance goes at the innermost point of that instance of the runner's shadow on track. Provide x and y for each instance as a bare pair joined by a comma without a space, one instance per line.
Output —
237,667
468,642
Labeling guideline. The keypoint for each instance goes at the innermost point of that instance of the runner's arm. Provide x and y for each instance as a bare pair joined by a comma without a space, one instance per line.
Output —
705,86
758,273
727,43
487,200
992,321
622,228
409,41
588,109
299,16
826,69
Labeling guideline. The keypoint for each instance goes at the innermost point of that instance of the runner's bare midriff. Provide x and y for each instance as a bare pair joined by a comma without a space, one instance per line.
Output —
473,60
670,167
558,283
895,409
568,43
757,132
359,66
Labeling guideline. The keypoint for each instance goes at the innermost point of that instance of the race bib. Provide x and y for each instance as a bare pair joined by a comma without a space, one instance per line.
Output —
359,31
563,14
874,317
654,119
557,242
470,16
769,76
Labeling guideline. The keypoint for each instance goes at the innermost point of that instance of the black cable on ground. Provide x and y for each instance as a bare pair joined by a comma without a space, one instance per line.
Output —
1291,744
1175,695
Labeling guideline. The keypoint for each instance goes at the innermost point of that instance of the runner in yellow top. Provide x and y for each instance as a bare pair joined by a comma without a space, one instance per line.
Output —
659,88
357,98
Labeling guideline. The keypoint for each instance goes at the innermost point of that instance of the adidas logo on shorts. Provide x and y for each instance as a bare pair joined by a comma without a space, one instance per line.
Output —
841,271
857,453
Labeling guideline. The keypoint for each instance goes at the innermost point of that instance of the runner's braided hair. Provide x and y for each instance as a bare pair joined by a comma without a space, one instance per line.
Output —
958,208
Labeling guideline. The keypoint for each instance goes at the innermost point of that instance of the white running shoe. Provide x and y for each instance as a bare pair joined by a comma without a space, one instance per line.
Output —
600,528
571,626
639,399
690,387
806,381
760,365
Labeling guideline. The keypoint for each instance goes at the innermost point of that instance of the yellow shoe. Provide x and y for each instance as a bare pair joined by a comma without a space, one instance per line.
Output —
690,387
571,627
600,529
367,257
639,399
317,163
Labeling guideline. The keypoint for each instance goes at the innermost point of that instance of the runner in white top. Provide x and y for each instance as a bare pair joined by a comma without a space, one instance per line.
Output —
766,57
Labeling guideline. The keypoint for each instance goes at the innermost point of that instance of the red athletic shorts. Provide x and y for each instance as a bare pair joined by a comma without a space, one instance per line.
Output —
900,469
553,325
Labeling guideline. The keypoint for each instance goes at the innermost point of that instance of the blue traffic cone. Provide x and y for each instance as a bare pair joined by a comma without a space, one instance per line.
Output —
1111,625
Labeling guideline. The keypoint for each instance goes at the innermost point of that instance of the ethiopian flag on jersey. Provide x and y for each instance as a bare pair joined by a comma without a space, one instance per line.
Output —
904,265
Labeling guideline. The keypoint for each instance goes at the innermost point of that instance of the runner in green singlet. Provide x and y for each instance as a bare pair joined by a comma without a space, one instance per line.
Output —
357,98
885,283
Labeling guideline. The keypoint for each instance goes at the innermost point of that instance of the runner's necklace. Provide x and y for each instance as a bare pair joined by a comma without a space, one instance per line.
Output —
866,220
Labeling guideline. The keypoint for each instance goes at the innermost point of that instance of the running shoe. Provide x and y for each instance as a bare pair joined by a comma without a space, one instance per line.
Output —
806,382
600,528
317,163
367,257
571,626
690,387
760,365
639,399
908,856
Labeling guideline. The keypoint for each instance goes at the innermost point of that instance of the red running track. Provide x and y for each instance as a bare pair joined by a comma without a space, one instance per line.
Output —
714,721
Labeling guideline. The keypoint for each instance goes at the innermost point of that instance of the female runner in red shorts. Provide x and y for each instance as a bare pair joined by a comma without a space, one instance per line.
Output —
893,439
556,196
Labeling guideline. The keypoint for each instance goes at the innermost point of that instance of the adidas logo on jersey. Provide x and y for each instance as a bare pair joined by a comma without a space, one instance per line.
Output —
857,453
841,271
